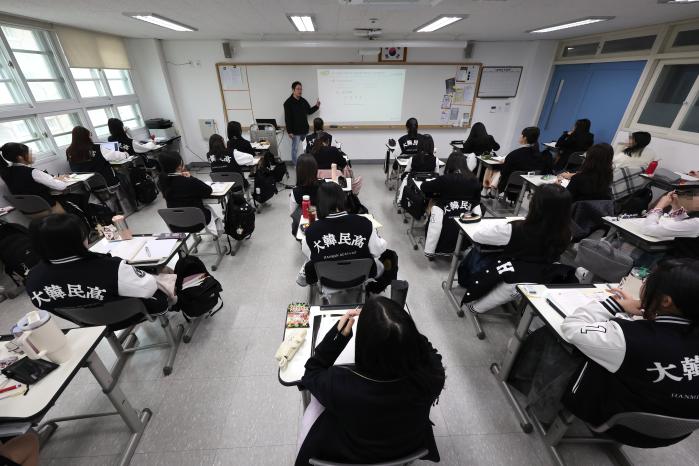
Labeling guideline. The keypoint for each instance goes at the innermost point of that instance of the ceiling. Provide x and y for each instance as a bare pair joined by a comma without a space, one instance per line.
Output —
488,20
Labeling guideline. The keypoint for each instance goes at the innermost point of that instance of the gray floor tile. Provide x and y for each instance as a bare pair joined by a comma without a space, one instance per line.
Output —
496,450
277,455
179,458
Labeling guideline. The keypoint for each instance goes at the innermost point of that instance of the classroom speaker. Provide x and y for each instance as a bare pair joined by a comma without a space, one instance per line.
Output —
468,51
228,49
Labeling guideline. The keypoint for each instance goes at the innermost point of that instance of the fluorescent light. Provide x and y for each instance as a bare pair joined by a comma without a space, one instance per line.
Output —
161,21
677,2
302,23
572,24
439,22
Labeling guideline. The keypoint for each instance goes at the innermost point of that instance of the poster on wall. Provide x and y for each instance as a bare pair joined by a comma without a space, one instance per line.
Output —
446,101
467,74
231,78
458,98
449,85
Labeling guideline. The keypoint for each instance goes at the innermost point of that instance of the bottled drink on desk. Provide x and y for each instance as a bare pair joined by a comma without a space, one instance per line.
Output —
333,171
305,204
651,167
123,230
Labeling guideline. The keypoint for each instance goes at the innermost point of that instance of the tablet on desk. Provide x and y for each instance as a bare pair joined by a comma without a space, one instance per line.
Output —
110,145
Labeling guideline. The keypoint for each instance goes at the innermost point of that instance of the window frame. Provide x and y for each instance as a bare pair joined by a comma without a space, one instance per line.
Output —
672,36
601,39
109,87
47,131
43,136
138,112
111,113
100,80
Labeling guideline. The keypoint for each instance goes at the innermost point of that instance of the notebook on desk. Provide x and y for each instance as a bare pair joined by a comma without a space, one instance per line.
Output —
565,301
138,250
322,324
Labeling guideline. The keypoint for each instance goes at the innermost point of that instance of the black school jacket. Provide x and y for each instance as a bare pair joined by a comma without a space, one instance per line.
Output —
189,191
328,155
526,159
481,147
366,420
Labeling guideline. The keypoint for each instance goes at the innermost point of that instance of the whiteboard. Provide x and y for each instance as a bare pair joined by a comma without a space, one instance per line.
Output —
270,86
499,81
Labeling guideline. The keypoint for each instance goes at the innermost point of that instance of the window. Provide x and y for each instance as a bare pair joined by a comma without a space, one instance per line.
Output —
34,56
89,82
119,82
687,38
61,126
98,118
580,50
25,131
629,44
669,95
10,93
131,116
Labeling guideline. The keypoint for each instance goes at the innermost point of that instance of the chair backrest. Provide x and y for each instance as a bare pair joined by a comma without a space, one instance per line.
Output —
398,462
652,425
223,177
28,204
515,180
109,313
97,182
575,161
183,217
354,272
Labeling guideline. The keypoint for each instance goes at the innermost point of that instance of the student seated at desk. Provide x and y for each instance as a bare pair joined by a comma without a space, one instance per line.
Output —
326,155
378,408
454,193
338,235
69,275
181,189
531,247
526,158
22,450
409,142
224,159
593,181
629,190
19,176
422,162
646,365
579,139
85,156
238,145
681,221
636,153
317,129
307,184
479,142
118,133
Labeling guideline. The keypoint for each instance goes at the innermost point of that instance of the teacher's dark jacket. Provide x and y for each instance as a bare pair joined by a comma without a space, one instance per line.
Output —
296,113
365,420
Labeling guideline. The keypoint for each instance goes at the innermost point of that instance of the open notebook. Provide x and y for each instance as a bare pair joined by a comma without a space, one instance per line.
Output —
327,322
138,249
218,188
565,301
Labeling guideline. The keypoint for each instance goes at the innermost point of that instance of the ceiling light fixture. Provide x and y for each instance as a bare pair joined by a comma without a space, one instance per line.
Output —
302,23
677,2
439,22
572,24
161,21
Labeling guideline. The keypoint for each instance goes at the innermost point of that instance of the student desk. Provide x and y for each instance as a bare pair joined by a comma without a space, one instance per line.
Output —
300,235
73,181
490,162
24,411
103,247
402,163
665,185
120,163
629,229
220,190
466,230
535,305
535,181
260,146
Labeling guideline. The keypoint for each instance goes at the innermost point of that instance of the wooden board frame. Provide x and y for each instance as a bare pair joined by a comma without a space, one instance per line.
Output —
519,81
354,126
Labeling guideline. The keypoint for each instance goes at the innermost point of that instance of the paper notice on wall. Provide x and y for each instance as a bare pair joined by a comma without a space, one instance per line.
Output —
454,114
231,78
446,101
469,93
444,117
458,98
467,74
466,116
449,85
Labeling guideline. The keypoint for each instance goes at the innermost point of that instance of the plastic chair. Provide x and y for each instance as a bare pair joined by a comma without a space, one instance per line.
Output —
30,205
97,185
398,462
354,272
237,178
192,220
575,161
112,314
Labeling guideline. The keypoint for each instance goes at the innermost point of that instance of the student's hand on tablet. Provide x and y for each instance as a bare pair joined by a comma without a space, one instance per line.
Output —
627,302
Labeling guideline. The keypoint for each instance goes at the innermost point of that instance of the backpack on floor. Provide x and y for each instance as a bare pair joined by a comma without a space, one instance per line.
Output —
16,251
265,186
414,201
143,185
239,222
353,205
279,172
99,214
197,291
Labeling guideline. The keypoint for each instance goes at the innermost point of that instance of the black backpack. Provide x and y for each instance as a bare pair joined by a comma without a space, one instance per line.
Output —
239,222
265,185
413,201
200,299
99,214
353,205
16,251
143,185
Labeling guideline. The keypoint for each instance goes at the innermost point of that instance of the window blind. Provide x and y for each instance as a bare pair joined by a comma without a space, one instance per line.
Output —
89,49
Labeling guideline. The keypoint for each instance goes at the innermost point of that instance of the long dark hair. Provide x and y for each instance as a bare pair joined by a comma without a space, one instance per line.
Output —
582,126
318,124
306,170
641,139
80,148
411,127
10,152
234,131
116,129
331,199
598,164
478,135
322,140
676,278
458,164
169,162
426,144
389,346
217,146
549,215
58,236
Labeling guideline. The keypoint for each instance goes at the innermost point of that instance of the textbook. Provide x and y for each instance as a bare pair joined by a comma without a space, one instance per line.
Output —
138,249
297,315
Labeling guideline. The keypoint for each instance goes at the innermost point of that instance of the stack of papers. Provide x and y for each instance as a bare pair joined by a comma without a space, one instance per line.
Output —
193,280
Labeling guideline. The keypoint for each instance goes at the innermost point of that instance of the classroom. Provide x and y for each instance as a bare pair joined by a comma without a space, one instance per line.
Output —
349,232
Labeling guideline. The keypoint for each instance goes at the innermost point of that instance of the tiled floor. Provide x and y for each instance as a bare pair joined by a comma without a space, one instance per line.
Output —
223,404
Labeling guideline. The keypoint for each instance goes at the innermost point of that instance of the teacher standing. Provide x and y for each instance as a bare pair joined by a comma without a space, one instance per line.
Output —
296,111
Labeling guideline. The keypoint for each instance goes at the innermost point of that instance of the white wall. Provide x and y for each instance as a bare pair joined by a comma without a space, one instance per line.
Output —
197,94
149,75
674,155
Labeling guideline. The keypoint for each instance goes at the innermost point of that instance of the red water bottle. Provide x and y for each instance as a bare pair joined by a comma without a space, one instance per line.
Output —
305,204
651,167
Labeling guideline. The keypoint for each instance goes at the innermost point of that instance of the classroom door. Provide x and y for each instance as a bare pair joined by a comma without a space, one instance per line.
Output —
598,91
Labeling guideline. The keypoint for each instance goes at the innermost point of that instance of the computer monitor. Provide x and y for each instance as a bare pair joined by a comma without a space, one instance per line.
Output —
267,121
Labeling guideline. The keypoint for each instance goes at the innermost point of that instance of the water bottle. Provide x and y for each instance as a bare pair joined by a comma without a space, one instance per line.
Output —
651,167
305,204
